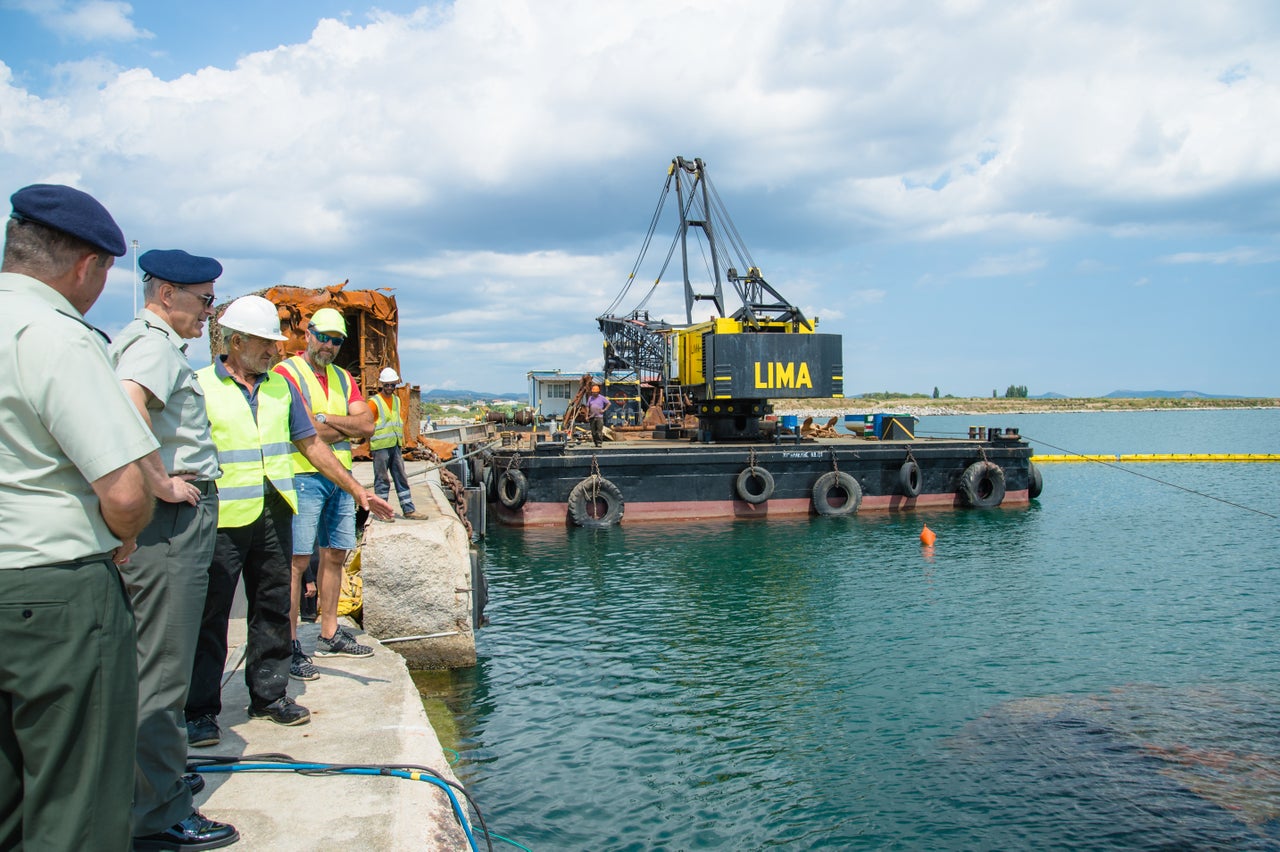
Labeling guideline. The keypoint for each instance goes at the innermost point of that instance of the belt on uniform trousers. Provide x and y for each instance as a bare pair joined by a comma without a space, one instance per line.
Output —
205,486
84,560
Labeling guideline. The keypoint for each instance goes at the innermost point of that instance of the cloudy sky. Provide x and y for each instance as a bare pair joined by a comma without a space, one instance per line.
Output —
1077,197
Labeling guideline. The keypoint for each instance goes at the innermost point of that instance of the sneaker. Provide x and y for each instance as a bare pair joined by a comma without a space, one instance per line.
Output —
283,711
195,832
415,515
343,644
385,520
203,731
301,668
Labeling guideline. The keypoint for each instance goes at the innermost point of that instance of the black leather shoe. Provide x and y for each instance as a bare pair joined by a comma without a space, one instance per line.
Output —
203,731
282,711
194,782
194,832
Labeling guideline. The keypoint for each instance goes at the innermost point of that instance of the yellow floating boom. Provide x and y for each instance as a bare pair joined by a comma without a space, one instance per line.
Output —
1162,457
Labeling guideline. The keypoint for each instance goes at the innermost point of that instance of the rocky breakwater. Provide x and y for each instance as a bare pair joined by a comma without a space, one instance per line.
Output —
417,583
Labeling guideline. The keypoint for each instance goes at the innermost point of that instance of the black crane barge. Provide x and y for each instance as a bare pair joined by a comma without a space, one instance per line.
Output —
705,444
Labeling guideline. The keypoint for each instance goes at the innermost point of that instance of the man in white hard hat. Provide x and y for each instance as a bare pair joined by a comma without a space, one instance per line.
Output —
386,444
326,516
258,422
168,575
72,499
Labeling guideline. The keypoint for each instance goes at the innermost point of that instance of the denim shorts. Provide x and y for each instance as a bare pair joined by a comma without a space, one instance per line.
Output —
326,515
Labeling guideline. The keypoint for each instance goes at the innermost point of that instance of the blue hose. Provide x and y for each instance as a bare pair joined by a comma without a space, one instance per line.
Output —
349,770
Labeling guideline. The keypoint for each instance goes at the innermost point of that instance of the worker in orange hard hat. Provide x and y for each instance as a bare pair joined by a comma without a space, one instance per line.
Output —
596,405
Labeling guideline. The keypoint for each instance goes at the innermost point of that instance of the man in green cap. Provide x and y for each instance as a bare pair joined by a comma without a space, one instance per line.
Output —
326,514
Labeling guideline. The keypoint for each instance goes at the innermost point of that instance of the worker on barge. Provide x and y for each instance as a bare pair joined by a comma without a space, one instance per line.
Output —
168,575
73,498
597,404
387,445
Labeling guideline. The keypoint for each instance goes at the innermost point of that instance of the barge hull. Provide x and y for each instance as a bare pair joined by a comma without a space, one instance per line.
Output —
557,514
673,481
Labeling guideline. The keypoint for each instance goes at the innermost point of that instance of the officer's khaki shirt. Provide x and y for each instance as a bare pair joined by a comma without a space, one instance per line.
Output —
64,423
148,351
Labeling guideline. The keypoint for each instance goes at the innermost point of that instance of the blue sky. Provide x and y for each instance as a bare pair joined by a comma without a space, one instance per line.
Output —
1073,196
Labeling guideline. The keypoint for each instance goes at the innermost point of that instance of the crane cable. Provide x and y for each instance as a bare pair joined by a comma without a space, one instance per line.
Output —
644,248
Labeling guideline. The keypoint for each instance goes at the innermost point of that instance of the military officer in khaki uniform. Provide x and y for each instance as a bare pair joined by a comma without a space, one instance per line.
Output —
72,499
167,576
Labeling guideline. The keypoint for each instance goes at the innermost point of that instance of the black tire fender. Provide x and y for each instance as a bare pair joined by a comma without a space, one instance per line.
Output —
751,475
512,488
909,478
836,480
1035,483
982,485
585,500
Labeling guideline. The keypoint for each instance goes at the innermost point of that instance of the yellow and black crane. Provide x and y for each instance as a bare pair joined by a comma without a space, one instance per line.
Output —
726,369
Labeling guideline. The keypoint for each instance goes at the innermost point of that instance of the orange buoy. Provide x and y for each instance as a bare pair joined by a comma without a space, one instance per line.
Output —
927,537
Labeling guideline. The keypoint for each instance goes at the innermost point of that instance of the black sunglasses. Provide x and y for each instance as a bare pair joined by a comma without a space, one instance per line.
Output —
207,298
335,339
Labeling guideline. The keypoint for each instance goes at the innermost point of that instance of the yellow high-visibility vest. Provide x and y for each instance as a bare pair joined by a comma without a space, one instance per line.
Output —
388,429
334,402
249,451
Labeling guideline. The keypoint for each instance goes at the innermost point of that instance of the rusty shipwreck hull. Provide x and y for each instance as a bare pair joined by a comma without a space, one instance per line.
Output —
549,483
372,319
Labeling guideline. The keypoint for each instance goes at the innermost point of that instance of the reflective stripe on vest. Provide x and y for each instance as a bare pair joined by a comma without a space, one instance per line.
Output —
334,402
249,452
388,430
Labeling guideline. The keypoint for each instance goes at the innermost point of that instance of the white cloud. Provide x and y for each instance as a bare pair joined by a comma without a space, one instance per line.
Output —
493,160
972,119
1239,256
997,266
93,20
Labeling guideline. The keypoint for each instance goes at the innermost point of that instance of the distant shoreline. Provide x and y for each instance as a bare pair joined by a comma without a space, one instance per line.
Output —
921,407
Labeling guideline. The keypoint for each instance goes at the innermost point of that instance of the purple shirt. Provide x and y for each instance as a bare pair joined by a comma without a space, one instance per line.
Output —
596,404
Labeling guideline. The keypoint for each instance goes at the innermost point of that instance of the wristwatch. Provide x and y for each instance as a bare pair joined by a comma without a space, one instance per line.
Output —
320,418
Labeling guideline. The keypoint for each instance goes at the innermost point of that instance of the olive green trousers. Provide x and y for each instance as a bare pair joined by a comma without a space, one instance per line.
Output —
68,708
166,579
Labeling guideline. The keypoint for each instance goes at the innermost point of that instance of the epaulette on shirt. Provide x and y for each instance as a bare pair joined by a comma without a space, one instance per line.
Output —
86,324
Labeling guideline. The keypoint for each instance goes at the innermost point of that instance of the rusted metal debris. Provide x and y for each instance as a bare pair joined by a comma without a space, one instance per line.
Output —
372,319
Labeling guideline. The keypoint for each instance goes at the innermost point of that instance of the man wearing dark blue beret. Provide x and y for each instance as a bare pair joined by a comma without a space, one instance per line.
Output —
168,575
73,498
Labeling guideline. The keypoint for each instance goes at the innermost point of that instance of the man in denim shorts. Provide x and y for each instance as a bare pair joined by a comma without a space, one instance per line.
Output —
326,514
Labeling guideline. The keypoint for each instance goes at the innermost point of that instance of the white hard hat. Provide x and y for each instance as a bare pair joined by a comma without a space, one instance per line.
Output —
253,315
388,375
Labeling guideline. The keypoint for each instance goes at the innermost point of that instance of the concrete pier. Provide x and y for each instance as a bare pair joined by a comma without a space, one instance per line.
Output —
364,711
416,577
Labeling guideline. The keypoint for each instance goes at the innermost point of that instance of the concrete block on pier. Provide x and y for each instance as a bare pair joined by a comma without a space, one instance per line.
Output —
417,583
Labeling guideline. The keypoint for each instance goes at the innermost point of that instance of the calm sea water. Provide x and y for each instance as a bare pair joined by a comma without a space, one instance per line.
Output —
1096,671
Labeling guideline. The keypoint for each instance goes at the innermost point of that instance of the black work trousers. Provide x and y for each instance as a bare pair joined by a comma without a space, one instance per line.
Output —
261,552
